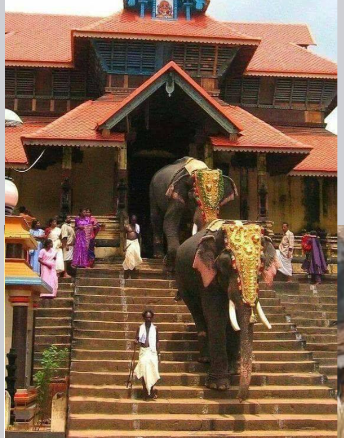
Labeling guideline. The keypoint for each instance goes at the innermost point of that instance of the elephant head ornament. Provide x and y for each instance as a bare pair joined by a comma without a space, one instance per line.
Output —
237,255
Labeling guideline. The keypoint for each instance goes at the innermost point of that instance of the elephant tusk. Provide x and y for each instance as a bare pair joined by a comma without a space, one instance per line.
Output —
262,316
232,316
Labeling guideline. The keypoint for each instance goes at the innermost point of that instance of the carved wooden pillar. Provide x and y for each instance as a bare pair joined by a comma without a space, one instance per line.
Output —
66,188
20,305
209,155
122,191
244,193
262,187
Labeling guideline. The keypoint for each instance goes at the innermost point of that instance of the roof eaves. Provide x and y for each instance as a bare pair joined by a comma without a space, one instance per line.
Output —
321,173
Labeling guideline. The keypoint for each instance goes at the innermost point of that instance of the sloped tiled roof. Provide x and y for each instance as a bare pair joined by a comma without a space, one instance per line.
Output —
322,161
41,39
280,54
77,128
15,155
128,24
256,136
171,66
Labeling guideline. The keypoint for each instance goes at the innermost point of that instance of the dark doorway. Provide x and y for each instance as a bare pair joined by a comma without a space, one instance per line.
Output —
163,132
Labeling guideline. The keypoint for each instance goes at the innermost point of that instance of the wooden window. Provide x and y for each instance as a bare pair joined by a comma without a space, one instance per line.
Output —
224,59
233,90
25,82
300,90
14,251
43,82
250,91
10,82
61,83
78,84
329,92
315,88
283,90
122,57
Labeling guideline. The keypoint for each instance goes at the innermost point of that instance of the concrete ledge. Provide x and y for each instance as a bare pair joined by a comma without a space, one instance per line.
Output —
27,434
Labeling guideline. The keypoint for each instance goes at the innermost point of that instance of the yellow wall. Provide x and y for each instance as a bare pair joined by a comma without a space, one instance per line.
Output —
92,180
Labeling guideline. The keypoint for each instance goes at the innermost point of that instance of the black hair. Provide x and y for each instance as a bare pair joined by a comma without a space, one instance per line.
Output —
285,223
313,233
22,209
52,220
34,223
46,243
144,313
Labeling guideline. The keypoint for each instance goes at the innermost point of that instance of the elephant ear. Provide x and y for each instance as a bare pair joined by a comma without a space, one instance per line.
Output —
204,261
230,190
177,183
271,262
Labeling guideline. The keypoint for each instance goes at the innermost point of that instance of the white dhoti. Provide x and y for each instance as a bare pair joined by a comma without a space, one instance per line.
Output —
285,264
132,255
68,254
148,367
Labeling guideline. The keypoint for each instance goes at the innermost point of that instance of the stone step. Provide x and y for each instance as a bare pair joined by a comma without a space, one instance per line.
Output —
98,405
329,370
208,434
177,379
145,301
139,293
137,318
307,322
164,335
308,307
113,355
124,326
113,391
325,354
312,346
320,338
56,330
205,422
312,299
311,315
317,330
176,367
179,307
171,345
138,283
53,321
58,303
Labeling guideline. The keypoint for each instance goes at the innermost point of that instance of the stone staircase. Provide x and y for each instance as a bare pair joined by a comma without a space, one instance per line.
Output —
288,395
314,310
54,323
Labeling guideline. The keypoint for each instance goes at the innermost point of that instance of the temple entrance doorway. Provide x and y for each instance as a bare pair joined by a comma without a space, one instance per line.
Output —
163,132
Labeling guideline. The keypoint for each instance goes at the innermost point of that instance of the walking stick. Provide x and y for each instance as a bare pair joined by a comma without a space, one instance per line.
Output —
131,370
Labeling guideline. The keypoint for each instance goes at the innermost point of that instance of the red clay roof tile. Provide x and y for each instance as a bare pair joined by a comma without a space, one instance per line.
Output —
323,158
128,24
78,127
14,151
257,136
40,39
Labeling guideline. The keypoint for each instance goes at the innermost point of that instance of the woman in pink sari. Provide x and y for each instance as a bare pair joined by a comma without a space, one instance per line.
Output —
47,259
83,234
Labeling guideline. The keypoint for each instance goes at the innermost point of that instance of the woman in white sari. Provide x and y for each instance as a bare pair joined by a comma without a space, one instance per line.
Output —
53,232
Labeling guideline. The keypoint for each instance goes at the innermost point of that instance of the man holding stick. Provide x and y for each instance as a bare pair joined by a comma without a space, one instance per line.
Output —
147,369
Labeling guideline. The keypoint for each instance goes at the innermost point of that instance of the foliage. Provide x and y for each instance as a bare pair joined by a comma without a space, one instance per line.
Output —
52,358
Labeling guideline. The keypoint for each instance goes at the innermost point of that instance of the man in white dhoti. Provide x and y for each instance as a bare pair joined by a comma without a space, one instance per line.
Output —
132,250
285,252
147,369
68,240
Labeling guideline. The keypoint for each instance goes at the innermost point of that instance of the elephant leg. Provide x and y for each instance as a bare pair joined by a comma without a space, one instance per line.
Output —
215,308
194,305
171,227
158,238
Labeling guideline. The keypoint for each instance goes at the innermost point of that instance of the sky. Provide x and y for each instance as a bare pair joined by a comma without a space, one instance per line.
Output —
320,15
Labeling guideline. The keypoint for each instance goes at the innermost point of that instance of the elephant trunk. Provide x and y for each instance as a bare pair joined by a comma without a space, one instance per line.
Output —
246,347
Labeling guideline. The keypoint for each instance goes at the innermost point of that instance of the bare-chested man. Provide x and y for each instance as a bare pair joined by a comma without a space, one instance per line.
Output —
132,249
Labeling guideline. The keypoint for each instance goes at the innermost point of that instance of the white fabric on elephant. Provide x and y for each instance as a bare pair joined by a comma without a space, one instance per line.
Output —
192,164
148,367
285,264
132,255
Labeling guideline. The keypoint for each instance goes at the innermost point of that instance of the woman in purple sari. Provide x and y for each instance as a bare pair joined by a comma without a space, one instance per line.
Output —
83,230
315,263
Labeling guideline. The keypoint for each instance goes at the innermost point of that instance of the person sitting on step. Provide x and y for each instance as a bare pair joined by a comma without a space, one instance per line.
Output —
147,369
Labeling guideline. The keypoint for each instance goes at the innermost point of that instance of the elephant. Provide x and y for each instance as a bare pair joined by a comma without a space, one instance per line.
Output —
208,280
172,196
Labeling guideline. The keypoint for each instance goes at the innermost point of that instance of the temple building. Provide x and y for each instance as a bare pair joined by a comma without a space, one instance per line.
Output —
106,102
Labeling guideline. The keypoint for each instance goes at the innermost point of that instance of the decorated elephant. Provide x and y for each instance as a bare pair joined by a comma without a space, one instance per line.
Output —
217,273
187,186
